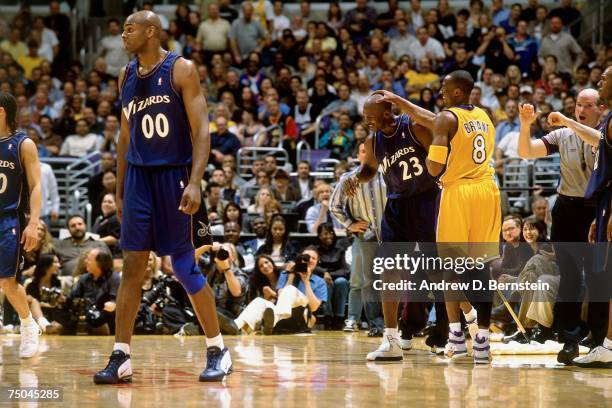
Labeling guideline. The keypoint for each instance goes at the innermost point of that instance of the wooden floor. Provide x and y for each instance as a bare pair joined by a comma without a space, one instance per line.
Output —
319,370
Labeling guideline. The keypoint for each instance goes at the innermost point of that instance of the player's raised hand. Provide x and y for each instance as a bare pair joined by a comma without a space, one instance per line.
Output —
350,186
557,119
29,238
527,113
190,202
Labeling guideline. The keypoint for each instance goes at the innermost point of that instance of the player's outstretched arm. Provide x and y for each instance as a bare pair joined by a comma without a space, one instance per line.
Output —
527,148
29,153
444,127
421,116
188,81
588,134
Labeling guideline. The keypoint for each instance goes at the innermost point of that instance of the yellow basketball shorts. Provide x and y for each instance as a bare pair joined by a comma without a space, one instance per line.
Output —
470,212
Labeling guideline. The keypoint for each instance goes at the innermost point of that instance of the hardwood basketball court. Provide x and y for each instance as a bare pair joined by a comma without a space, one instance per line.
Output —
325,369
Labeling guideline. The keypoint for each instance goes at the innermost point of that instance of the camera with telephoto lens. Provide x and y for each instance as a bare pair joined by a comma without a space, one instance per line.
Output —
221,254
301,263
158,294
85,310
50,296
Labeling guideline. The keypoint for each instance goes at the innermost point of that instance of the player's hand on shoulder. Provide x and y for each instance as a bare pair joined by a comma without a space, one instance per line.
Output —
190,202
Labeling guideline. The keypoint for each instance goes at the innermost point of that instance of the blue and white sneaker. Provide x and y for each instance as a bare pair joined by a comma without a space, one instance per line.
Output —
218,365
118,370
481,350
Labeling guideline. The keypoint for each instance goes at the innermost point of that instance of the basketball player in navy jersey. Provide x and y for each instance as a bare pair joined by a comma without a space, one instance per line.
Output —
400,146
161,156
19,189
600,189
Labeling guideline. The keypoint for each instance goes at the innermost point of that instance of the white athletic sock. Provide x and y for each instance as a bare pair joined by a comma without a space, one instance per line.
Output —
215,341
122,347
483,333
43,323
392,331
456,327
28,321
471,315
607,343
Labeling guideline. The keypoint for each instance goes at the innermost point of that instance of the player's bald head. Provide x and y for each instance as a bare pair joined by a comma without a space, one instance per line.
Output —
144,17
373,106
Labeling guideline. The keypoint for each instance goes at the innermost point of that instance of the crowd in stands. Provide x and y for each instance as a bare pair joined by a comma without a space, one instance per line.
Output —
258,67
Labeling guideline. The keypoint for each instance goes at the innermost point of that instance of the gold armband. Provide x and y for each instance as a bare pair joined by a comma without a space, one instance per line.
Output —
438,154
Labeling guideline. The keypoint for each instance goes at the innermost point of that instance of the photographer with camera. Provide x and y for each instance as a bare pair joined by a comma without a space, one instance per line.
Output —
45,294
228,282
94,295
300,293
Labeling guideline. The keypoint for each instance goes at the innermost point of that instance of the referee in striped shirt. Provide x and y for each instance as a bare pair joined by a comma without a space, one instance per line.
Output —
362,215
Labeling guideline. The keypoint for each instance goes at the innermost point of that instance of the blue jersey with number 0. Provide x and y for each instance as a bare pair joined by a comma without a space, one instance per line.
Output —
159,128
402,159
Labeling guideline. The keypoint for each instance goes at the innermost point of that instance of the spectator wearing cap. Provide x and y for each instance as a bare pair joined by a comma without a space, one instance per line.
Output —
283,189
562,45
511,124
526,92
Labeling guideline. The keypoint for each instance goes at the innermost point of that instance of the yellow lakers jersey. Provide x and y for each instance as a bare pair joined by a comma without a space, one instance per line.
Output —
471,148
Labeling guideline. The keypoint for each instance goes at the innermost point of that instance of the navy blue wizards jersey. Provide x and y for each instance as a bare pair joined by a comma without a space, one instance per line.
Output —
159,128
13,180
402,159
601,178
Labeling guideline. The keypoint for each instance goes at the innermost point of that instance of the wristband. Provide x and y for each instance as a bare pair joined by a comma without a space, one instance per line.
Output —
438,154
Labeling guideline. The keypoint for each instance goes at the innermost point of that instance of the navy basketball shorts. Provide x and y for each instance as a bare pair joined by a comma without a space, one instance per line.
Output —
410,218
10,246
603,250
151,217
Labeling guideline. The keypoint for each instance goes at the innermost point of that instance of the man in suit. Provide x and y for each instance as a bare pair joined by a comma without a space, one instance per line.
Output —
304,183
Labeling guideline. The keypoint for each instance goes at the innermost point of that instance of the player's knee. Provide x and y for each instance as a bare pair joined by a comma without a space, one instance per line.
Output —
187,272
